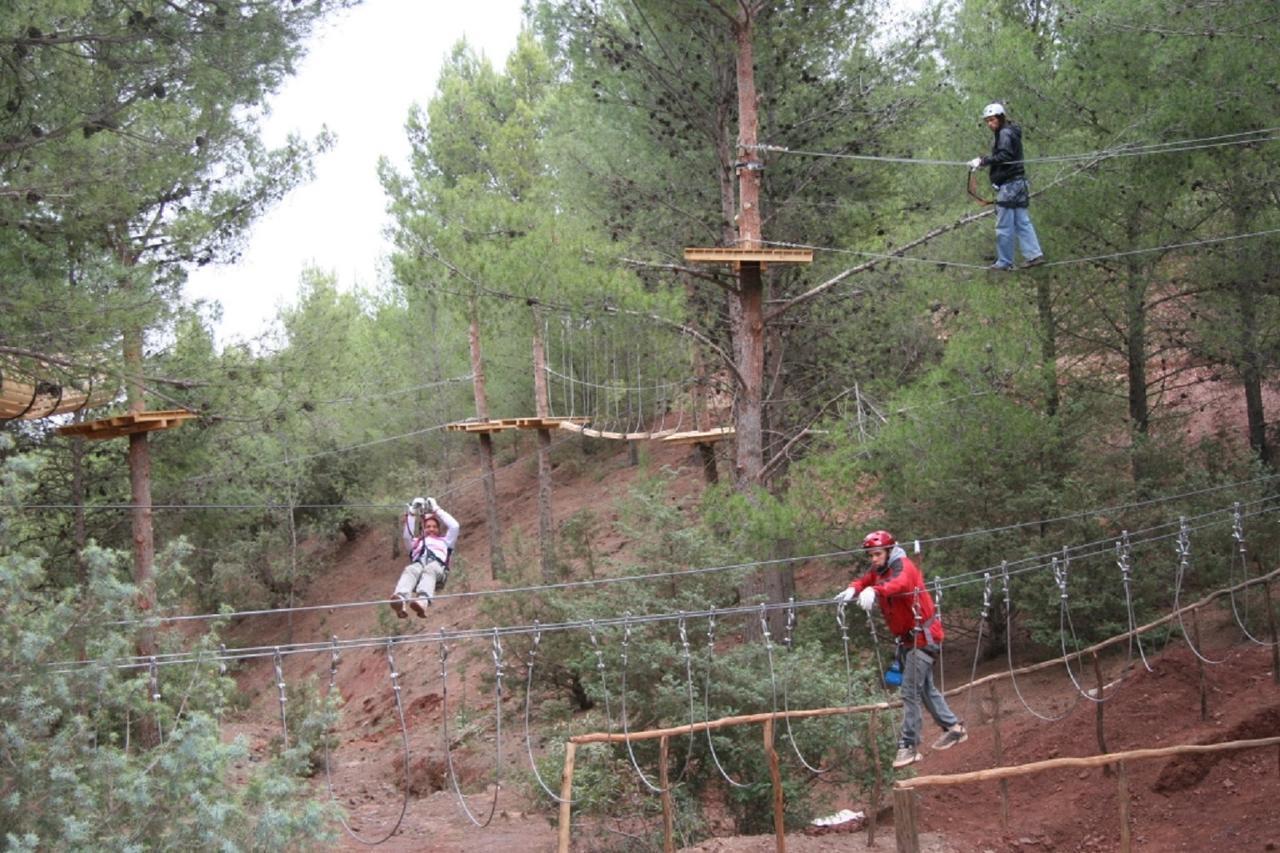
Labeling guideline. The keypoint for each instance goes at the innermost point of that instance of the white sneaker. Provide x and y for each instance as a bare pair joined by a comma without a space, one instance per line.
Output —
906,755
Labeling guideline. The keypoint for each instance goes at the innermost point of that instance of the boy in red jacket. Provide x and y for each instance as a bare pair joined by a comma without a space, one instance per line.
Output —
897,584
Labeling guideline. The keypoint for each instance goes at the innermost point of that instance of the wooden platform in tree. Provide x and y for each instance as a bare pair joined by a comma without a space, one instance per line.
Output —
547,423
500,424
128,424
763,256
22,398
702,436
482,426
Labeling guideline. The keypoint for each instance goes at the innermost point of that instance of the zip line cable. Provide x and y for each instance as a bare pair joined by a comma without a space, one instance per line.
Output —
679,573
245,653
1208,241
1247,137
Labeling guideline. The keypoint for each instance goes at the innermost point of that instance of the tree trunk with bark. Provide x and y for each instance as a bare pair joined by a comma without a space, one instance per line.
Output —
497,561
546,530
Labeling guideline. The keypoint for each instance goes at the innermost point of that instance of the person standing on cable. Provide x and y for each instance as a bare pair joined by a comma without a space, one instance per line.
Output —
1012,194
430,546
895,582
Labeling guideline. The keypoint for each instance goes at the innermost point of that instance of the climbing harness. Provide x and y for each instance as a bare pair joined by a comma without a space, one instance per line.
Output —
444,712
706,701
1184,563
404,735
1008,645
787,641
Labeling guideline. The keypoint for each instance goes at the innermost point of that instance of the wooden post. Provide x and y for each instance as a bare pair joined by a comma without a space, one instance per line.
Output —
1275,642
1204,688
668,820
873,737
904,820
1122,793
1102,740
999,757
775,776
566,796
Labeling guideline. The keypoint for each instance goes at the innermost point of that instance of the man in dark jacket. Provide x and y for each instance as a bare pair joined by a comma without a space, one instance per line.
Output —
1012,195
896,583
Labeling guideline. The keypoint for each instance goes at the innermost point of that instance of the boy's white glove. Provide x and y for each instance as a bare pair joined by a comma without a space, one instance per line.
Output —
867,599
975,164
845,595
431,504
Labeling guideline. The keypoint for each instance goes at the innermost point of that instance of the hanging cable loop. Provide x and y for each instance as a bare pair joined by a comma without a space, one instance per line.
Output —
334,659
786,699
622,711
1183,548
528,701
706,702
280,685
448,747
153,670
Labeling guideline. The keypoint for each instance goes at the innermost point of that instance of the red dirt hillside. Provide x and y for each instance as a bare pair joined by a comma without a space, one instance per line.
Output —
1225,801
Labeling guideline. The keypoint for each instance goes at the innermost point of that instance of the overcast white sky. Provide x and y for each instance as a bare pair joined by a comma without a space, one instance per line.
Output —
361,74
360,77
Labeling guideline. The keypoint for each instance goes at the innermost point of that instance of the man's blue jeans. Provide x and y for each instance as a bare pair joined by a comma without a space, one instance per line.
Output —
918,689
1014,222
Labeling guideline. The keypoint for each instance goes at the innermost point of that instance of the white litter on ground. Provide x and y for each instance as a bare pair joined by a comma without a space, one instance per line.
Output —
842,816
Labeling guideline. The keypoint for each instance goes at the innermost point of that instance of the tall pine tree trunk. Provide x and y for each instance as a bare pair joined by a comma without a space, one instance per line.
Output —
497,561
144,548
546,533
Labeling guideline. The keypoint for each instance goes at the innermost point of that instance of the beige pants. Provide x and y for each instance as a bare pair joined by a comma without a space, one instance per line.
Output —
419,580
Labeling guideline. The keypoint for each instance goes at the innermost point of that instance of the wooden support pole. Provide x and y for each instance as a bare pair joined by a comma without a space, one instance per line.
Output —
1204,687
668,819
775,776
873,748
1122,794
904,820
566,797
1275,641
1098,725
998,750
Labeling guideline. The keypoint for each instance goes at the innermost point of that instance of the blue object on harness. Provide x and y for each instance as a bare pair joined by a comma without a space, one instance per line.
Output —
893,675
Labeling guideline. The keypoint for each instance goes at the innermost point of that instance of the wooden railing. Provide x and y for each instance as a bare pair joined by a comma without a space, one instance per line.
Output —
767,720
905,796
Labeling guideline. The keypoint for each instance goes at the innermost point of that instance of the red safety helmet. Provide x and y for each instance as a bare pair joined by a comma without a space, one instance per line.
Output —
879,539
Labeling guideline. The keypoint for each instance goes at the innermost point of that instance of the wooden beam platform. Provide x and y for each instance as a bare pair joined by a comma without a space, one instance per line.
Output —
704,436
481,426
715,255
547,423
121,425
500,424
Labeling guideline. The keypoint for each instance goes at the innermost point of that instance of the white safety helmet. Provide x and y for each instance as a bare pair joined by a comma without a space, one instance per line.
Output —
992,110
